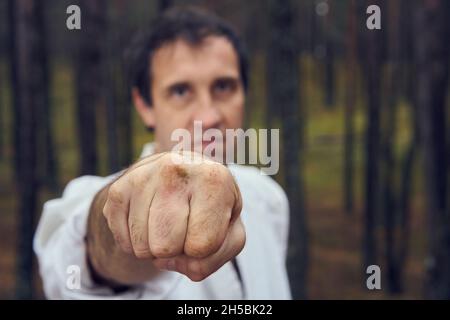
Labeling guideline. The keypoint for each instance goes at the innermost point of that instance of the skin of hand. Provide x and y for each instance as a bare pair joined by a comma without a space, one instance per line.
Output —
179,211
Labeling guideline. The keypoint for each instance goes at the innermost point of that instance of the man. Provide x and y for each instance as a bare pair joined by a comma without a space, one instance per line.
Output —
170,227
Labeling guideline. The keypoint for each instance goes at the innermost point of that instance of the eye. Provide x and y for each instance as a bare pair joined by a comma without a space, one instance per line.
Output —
179,90
224,86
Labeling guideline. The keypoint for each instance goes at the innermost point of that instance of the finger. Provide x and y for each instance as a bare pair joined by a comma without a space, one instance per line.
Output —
169,213
237,207
197,269
210,214
140,203
116,210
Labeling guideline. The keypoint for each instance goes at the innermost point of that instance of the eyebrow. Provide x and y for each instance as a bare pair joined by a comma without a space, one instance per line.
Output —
228,78
176,84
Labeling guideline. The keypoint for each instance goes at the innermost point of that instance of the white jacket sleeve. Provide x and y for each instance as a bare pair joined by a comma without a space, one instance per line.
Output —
60,247
279,207
59,244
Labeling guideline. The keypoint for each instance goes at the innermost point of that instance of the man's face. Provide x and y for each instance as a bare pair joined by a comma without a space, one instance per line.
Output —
191,83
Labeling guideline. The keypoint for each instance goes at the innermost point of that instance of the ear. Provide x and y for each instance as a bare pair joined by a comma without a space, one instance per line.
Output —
146,112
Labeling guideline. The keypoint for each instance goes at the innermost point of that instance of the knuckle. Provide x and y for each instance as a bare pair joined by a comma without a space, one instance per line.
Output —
174,176
214,174
168,169
139,179
141,252
170,159
160,250
200,248
115,196
171,168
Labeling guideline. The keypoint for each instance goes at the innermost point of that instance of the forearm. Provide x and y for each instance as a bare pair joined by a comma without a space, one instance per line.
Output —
109,263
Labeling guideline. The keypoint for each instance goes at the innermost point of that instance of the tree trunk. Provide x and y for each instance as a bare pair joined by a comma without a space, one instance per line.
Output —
125,122
409,158
109,62
432,58
13,74
404,199
283,89
122,90
372,179
2,116
350,109
312,26
29,75
48,169
329,57
390,204
88,64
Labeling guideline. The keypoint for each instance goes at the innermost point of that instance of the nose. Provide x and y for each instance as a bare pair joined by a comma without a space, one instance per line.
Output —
207,113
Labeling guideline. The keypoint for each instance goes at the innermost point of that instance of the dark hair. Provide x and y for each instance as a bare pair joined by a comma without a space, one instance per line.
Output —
187,23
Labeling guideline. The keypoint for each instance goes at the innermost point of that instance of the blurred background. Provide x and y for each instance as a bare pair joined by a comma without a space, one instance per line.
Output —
363,115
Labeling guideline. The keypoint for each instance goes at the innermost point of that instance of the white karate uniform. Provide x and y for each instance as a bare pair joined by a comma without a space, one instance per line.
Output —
60,247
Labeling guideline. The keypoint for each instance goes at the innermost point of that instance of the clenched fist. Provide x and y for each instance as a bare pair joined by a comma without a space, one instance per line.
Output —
179,211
